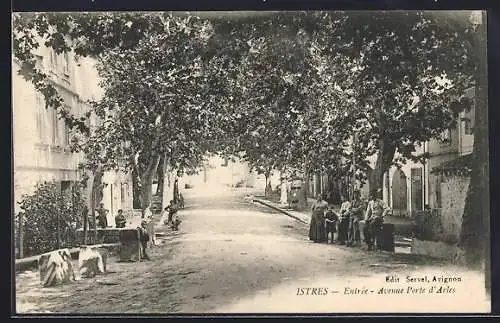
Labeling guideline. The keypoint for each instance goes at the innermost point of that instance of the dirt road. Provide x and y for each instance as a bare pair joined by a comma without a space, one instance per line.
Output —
231,255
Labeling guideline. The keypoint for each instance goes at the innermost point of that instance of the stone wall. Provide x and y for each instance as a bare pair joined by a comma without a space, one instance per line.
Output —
109,235
438,250
454,191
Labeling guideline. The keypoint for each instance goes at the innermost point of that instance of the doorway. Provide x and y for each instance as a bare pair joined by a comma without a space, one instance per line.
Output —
399,194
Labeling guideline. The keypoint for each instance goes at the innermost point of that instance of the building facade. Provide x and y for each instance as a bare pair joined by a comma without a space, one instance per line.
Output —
225,172
405,188
41,140
455,143
408,189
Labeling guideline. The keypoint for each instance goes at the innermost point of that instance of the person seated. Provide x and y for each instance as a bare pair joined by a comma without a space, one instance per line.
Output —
172,209
120,219
102,220
331,220
175,222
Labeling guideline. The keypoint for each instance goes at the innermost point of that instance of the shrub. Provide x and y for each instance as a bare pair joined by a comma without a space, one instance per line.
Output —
47,214
427,226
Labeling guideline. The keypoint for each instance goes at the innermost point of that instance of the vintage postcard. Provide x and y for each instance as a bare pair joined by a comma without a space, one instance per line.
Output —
250,162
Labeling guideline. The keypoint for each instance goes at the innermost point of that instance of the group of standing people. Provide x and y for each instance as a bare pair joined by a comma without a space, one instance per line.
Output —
326,223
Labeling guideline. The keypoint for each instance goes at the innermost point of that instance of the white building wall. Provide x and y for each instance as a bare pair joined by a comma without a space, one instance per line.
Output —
40,139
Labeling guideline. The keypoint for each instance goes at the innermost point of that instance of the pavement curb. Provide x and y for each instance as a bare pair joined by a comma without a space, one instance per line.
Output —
279,210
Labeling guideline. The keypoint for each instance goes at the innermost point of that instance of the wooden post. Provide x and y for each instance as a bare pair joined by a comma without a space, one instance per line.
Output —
111,192
21,236
481,135
58,241
139,244
85,216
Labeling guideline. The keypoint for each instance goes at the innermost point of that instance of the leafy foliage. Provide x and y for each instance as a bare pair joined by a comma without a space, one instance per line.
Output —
284,88
407,70
43,212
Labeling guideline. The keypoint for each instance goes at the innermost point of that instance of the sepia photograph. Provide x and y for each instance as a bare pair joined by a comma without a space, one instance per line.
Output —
250,162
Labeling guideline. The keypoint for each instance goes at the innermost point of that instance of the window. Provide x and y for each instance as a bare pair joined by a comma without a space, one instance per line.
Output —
55,127
445,137
124,193
65,64
65,129
438,192
40,116
52,60
467,123
65,136
66,187
39,61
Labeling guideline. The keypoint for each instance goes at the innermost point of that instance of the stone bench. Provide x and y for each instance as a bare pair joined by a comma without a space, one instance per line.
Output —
112,235
130,245
55,268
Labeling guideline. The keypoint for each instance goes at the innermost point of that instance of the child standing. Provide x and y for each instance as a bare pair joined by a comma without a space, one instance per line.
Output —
144,238
331,219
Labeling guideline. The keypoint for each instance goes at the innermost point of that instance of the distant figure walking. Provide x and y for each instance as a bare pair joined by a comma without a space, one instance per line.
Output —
181,201
176,190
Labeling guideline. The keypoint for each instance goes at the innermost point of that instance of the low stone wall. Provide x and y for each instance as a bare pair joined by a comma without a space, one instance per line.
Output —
108,235
437,250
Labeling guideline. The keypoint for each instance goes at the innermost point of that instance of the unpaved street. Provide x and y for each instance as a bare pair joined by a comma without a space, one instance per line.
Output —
231,255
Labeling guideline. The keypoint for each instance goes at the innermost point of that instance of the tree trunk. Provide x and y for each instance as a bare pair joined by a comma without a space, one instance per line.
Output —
306,183
21,235
385,156
161,177
475,233
58,226
136,189
85,225
266,189
147,184
96,196
166,183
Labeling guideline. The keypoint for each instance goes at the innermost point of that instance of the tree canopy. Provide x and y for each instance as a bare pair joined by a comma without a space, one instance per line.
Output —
283,88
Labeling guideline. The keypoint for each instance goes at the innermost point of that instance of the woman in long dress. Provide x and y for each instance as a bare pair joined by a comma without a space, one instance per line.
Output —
344,221
317,227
